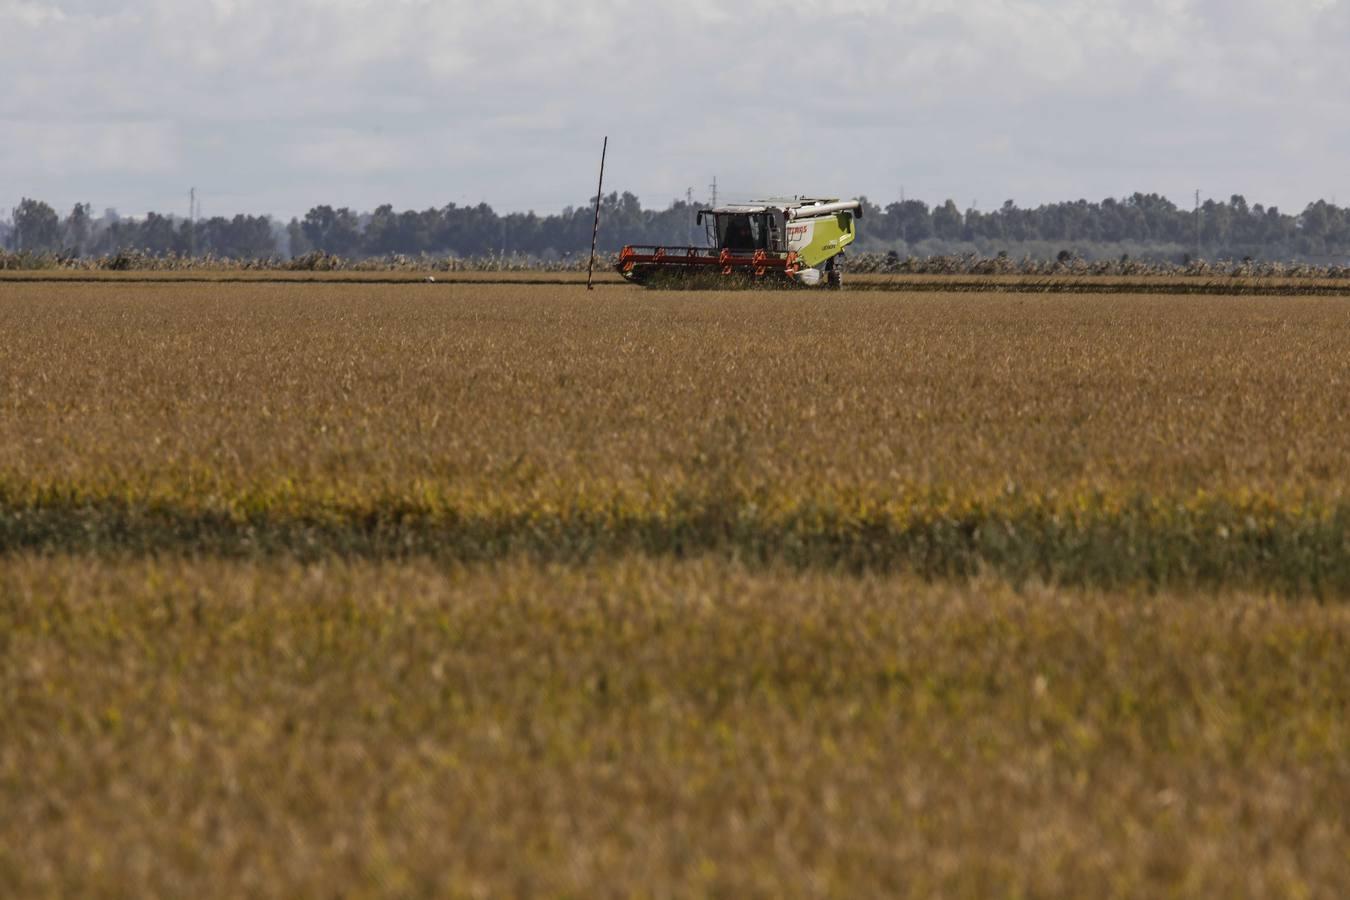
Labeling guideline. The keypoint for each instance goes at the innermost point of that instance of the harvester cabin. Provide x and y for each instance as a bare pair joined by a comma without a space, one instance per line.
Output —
746,229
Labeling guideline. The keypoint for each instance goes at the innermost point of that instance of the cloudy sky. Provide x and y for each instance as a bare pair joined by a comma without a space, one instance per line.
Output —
278,105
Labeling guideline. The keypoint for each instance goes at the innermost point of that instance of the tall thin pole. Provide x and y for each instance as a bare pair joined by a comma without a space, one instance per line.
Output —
595,233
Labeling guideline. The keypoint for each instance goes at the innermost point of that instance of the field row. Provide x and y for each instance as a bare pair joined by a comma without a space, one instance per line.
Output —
642,727
1295,546
373,389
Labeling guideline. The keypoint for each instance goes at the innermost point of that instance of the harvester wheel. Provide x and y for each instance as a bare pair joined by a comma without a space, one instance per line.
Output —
834,273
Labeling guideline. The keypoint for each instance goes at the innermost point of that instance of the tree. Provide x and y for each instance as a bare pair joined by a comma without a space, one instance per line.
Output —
77,229
37,227
947,222
389,232
243,237
912,221
158,236
332,231
299,243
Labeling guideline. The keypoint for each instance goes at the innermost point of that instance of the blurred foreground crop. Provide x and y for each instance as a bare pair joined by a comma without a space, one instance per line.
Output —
652,727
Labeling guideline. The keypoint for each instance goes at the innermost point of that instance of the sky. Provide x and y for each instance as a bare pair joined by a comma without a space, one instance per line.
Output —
275,106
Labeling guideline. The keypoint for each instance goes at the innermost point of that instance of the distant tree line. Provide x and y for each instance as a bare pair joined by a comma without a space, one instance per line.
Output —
1231,230
36,227
1149,223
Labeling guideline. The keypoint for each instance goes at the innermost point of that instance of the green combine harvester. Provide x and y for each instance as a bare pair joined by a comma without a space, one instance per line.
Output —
768,243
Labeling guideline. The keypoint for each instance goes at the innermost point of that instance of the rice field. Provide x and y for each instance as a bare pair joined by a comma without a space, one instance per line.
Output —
481,589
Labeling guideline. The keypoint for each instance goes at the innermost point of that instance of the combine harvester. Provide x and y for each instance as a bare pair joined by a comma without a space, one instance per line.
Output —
773,243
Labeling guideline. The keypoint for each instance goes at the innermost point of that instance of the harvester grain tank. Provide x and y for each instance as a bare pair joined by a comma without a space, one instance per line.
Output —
771,242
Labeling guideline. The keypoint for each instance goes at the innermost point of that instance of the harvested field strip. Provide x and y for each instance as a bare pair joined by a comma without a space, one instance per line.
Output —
1083,538
300,278
1075,285
1183,287
877,283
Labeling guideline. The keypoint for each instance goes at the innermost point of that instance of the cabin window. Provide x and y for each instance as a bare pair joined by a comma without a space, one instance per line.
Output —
743,231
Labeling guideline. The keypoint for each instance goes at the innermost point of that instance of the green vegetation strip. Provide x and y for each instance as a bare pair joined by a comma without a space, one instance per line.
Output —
1097,540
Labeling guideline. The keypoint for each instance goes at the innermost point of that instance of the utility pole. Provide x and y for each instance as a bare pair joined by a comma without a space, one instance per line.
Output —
714,192
192,223
595,232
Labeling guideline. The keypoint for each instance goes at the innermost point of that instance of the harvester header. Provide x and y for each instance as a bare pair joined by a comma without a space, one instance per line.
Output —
775,242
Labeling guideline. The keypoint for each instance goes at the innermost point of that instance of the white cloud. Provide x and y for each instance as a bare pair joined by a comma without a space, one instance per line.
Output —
21,13
345,152
295,102
59,148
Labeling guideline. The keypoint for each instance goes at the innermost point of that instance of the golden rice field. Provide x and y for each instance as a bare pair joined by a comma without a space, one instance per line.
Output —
507,589
1102,441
